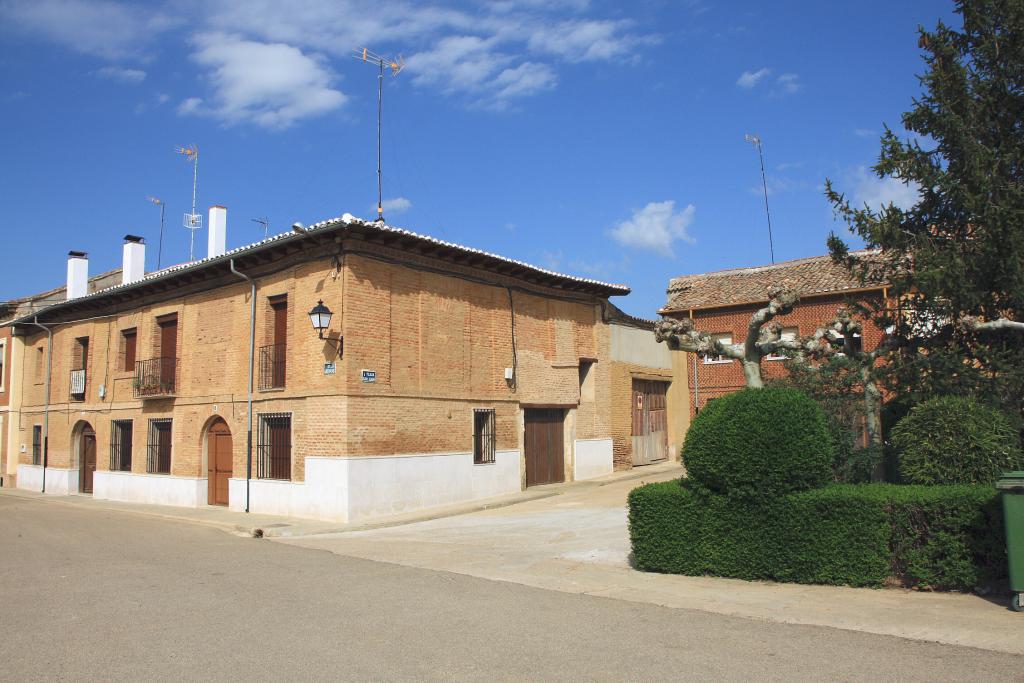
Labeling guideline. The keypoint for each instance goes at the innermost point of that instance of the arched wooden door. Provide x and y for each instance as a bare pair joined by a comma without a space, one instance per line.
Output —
219,459
87,458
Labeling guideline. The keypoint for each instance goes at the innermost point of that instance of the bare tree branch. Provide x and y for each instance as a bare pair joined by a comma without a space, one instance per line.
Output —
973,324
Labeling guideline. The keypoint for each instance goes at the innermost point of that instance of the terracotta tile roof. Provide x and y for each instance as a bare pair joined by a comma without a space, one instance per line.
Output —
814,275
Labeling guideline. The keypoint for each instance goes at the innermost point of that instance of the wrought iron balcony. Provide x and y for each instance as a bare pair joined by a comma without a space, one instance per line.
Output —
77,384
155,377
272,366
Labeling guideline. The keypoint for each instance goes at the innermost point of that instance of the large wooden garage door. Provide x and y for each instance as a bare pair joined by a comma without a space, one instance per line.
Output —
545,462
650,422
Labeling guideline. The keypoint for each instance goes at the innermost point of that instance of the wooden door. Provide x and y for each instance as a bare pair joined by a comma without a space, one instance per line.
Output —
87,459
168,351
280,342
650,421
220,463
544,446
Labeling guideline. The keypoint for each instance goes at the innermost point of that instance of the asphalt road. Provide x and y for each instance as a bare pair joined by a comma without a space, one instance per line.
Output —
96,595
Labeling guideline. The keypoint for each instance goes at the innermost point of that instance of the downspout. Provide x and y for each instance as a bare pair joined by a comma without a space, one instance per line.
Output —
46,403
252,354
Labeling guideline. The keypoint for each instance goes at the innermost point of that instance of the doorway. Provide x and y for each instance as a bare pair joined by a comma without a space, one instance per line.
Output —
544,446
650,421
219,462
86,458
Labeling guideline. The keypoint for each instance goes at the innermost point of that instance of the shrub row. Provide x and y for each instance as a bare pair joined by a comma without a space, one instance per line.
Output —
935,537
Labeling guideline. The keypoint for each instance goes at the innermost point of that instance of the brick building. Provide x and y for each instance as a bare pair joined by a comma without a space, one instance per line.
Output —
648,393
11,366
444,374
722,303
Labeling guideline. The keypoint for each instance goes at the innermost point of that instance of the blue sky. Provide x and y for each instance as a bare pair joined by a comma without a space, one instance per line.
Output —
595,138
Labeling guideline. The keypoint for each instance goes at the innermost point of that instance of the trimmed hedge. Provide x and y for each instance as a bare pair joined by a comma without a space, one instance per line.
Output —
955,440
759,444
936,537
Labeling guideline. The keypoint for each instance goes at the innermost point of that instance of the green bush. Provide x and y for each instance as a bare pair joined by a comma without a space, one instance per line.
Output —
955,440
759,444
942,537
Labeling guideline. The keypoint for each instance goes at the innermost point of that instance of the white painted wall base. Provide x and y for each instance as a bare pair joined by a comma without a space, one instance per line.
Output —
594,459
155,489
355,489
59,481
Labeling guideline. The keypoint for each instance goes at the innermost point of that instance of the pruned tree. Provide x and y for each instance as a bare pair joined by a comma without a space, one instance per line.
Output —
762,339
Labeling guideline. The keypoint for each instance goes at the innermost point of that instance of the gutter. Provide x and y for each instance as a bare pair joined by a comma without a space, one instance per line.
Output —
46,409
252,355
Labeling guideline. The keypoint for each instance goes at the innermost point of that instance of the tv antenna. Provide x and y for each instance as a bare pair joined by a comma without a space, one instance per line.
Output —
192,221
265,222
160,249
755,139
396,66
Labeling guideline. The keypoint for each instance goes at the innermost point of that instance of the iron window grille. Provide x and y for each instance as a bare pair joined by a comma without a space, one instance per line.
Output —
274,446
158,456
37,445
484,438
121,445
272,366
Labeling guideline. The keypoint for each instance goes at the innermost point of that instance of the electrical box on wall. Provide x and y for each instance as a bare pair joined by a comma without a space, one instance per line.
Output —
508,374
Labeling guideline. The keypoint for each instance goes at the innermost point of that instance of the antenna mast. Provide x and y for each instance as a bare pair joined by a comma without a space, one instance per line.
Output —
396,66
192,221
265,222
756,141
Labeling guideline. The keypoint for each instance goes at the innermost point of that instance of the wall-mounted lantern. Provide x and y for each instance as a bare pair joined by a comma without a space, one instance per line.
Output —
320,316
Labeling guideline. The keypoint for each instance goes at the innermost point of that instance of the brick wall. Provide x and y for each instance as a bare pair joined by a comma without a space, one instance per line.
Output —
718,379
438,344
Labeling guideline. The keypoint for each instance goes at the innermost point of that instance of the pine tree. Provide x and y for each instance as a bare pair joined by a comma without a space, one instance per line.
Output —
957,256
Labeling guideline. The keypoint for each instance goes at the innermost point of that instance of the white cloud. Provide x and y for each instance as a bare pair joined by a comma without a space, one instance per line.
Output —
269,84
864,133
526,79
748,79
122,75
655,227
102,28
789,83
393,206
586,40
192,105
877,192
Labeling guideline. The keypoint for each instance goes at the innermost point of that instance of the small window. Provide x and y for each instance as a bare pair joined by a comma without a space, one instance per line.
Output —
724,339
586,380
37,444
158,460
3,365
857,343
121,445
274,447
788,334
128,346
39,365
484,437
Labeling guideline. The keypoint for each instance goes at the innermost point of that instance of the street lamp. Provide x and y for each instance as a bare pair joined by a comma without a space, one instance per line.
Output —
320,317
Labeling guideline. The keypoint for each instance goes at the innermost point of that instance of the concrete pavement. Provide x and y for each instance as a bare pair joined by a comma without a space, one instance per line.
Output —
94,594
578,542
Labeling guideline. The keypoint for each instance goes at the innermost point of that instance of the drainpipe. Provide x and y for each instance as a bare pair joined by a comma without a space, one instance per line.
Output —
46,409
252,354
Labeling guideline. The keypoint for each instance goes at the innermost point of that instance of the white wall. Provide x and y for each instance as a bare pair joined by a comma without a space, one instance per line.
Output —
594,458
59,481
155,489
356,489
633,345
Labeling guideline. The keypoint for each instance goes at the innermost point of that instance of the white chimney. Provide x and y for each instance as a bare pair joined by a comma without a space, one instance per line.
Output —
133,266
78,274
217,231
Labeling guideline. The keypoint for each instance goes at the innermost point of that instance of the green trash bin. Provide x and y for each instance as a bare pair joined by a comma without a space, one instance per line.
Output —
1011,485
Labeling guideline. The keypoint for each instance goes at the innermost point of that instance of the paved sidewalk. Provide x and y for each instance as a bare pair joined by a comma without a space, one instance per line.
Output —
578,543
276,526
